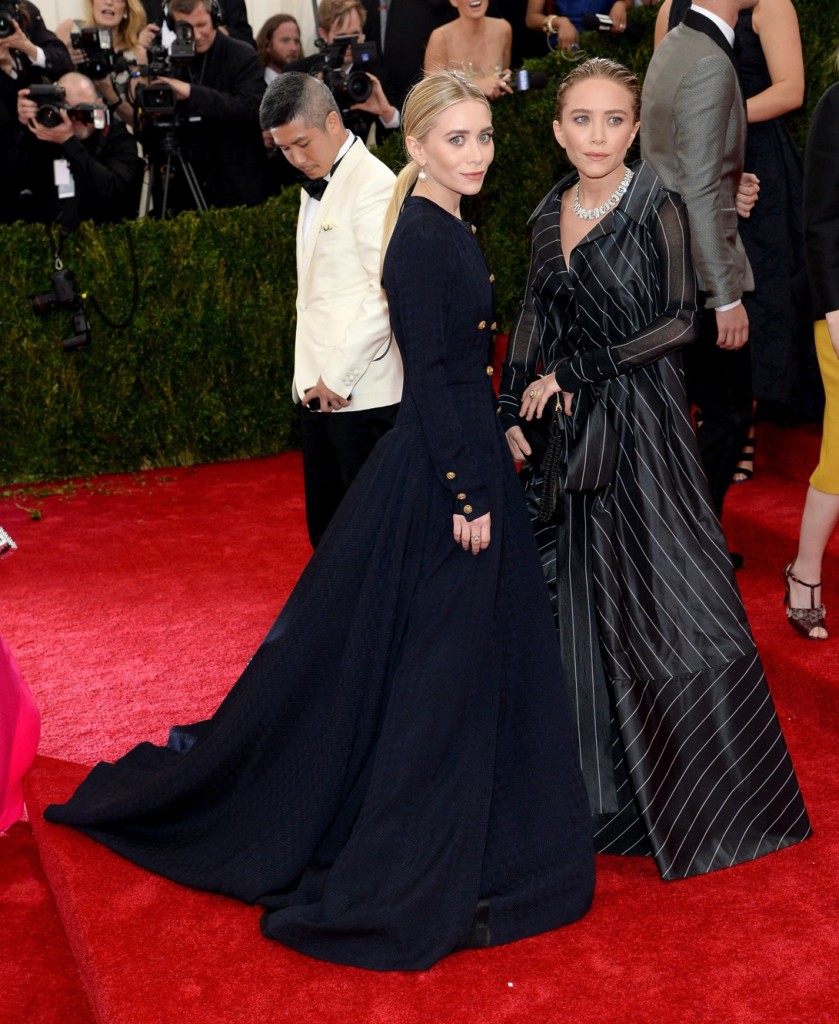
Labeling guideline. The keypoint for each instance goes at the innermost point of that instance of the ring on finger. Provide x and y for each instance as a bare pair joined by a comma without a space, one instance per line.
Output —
532,393
476,538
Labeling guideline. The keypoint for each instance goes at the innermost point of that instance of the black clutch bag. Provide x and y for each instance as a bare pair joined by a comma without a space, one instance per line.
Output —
575,453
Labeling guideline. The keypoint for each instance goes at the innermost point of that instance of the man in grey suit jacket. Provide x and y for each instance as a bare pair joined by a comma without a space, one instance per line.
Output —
347,371
693,133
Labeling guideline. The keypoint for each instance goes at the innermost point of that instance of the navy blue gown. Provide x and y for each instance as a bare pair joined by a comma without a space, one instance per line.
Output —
394,775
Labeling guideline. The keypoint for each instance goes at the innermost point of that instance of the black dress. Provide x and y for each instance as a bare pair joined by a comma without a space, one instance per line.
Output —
681,748
394,775
772,236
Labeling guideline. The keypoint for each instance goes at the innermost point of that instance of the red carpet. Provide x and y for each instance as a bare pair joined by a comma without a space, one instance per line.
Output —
133,603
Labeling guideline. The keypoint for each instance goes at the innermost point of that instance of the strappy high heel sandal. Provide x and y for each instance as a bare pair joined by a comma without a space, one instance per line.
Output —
803,620
745,468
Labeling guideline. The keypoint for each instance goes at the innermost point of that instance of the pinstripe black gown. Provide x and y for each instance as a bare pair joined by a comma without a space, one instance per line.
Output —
681,747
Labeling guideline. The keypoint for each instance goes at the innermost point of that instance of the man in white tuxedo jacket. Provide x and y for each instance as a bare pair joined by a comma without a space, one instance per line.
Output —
347,369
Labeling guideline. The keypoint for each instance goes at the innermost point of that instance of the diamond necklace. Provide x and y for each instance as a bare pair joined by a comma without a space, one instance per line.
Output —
611,202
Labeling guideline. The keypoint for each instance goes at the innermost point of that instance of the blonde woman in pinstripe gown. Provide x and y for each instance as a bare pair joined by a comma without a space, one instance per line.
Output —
680,745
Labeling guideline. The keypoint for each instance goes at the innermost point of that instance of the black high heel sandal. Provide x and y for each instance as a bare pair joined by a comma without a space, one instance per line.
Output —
746,466
803,620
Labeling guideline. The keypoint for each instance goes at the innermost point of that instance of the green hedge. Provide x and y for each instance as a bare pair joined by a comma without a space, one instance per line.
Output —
203,370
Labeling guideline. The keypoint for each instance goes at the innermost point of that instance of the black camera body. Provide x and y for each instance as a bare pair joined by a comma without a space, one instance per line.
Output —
348,87
182,50
51,101
8,16
155,101
97,44
64,295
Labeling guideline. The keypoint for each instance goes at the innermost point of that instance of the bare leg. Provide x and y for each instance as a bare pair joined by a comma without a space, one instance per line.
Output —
821,513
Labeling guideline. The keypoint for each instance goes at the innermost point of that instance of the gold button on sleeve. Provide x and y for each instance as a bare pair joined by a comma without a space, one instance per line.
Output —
467,509
461,496
490,371
450,475
482,325
493,326
492,278
474,229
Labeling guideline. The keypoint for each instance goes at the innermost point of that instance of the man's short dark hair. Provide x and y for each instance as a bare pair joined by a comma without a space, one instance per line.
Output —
188,6
294,95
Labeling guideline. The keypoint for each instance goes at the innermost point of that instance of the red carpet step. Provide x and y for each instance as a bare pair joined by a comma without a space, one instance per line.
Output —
134,601
753,944
39,978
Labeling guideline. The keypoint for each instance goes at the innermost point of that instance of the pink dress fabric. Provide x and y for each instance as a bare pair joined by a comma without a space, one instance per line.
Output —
20,730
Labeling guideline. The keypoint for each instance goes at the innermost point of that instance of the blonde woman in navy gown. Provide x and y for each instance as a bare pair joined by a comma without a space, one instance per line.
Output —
681,749
394,775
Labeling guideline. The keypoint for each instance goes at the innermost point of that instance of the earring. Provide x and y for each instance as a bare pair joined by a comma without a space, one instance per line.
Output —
422,176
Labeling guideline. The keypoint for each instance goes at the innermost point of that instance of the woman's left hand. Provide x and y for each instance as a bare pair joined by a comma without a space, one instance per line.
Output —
472,536
537,396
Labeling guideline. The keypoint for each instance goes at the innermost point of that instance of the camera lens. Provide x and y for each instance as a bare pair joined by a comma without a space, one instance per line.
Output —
48,115
358,87
43,303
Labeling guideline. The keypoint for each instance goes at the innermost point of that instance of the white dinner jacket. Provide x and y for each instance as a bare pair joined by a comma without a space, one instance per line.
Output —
343,332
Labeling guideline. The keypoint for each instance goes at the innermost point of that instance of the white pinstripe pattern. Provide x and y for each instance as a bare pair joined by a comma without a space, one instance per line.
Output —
680,745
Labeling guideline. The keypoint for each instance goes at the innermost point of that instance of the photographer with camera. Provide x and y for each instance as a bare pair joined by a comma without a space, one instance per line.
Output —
112,34
232,18
347,65
215,123
75,162
29,54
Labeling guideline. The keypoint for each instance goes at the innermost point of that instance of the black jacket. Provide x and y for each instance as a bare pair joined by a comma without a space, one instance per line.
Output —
106,170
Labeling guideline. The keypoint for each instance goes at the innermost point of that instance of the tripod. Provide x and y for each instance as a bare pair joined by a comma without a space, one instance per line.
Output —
168,146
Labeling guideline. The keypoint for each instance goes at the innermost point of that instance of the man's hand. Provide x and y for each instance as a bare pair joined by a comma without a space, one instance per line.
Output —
747,194
19,41
179,88
377,103
329,401
517,443
732,327
26,111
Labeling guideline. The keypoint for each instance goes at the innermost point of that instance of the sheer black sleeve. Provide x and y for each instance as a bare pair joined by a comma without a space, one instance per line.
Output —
673,329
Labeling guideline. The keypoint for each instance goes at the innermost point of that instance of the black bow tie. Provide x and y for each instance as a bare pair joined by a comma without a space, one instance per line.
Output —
315,187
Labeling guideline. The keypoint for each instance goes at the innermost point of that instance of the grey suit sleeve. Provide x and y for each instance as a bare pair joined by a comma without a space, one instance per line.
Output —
821,203
702,116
